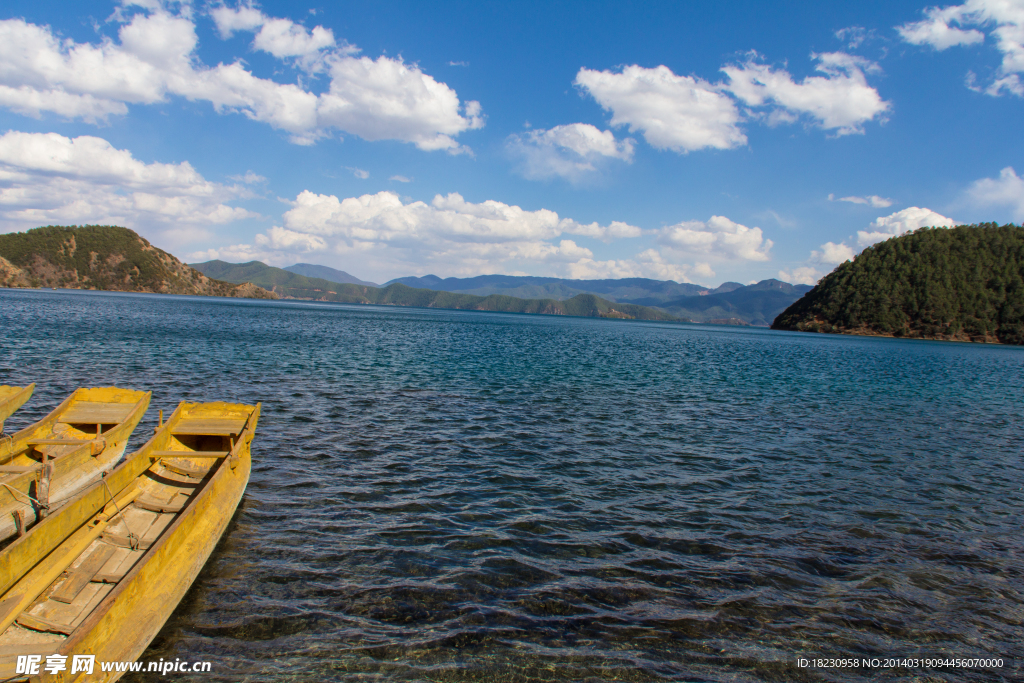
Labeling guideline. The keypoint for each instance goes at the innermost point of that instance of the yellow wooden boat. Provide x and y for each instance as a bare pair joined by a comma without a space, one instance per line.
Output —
12,398
101,575
46,463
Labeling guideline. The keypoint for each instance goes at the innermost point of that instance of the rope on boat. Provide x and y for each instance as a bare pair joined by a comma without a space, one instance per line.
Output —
34,500
133,540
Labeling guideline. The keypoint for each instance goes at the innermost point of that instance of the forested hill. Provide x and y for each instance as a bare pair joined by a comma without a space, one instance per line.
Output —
104,257
961,284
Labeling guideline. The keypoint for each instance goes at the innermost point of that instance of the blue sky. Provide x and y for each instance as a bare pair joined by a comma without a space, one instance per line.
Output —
698,142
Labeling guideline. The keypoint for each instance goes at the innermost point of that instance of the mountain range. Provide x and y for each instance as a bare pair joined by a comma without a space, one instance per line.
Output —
288,284
730,303
325,273
117,259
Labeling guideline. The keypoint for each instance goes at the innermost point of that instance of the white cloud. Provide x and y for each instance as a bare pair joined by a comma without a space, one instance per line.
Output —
237,253
870,200
382,99
1006,190
719,237
400,179
853,36
282,38
901,222
249,178
822,261
279,238
242,18
393,237
841,100
31,102
386,99
359,173
687,113
935,30
382,217
1004,20
802,275
833,254
389,237
46,178
649,263
680,113
571,151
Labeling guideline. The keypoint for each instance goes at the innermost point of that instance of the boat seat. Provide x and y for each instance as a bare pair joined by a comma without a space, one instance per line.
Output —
147,502
185,470
79,578
94,412
190,454
209,426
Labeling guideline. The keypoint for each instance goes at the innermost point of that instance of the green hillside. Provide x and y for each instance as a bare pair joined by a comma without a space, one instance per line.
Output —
292,285
963,284
104,257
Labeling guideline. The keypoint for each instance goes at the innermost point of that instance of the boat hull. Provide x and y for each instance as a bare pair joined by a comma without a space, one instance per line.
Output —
12,398
132,615
72,467
118,622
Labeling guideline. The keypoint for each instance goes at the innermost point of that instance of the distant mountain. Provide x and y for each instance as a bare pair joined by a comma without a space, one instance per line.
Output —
756,304
292,285
325,273
627,289
105,257
725,288
285,283
960,284
752,305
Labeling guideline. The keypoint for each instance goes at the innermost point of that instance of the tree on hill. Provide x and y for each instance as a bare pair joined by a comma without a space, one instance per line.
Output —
964,283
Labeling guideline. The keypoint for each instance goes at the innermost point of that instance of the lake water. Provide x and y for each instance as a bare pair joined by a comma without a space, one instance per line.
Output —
463,496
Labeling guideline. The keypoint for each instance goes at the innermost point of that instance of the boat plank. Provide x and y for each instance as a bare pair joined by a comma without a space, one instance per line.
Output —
80,577
156,505
119,564
190,454
185,470
222,426
18,469
93,412
35,623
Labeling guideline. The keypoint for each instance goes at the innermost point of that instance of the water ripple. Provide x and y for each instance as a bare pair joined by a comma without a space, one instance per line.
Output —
449,496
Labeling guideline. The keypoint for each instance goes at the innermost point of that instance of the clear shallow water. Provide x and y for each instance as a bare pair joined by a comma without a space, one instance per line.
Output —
456,496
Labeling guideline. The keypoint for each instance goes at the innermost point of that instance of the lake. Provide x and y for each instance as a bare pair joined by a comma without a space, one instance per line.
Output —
465,496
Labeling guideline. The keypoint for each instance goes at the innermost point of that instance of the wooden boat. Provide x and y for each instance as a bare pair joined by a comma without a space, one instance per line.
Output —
101,575
48,462
12,398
